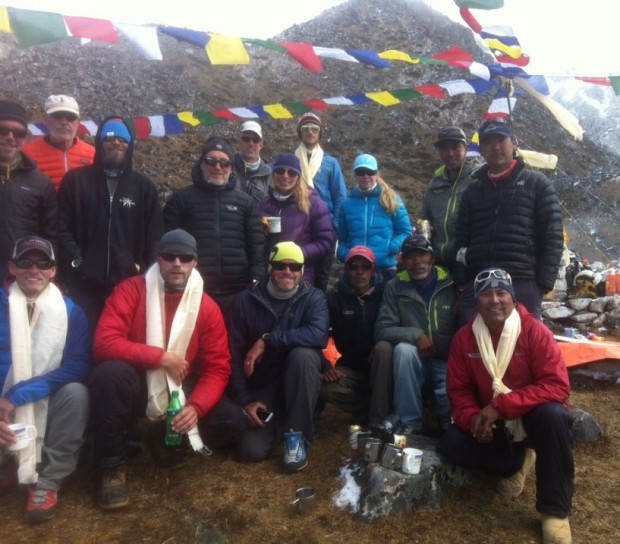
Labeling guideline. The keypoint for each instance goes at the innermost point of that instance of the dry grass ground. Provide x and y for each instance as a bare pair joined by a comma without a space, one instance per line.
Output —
218,500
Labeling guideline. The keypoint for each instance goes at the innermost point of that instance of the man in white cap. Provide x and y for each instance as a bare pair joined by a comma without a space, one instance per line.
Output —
251,169
508,386
45,358
61,149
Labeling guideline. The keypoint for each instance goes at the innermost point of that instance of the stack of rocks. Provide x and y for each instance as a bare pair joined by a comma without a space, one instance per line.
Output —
590,316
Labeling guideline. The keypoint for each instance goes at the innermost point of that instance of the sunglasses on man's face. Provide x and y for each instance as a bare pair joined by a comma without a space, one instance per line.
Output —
311,128
286,171
293,267
41,264
359,265
212,161
110,139
18,133
171,257
60,115
248,139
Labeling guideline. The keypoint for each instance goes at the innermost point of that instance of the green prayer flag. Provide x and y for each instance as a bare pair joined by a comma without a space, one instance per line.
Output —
406,94
296,108
615,84
37,27
207,118
480,4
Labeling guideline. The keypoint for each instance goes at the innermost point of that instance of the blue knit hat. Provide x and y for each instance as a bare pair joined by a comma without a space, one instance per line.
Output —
116,128
287,160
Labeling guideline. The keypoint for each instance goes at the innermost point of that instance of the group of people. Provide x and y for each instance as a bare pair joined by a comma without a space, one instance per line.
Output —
204,299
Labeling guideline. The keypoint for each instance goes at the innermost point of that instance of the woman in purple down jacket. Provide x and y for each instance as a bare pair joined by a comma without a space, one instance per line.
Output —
304,217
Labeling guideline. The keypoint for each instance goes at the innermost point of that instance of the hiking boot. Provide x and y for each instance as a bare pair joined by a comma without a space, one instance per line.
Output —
41,505
8,474
295,456
165,456
513,485
443,423
113,491
556,530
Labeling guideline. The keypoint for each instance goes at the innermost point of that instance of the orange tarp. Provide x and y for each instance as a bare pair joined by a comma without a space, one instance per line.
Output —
579,352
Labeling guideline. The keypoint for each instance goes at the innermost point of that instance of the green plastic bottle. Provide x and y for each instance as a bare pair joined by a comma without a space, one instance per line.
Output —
173,439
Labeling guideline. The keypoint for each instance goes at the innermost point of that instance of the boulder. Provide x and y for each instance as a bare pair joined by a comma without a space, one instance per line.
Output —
561,312
586,317
579,304
598,305
585,427
613,319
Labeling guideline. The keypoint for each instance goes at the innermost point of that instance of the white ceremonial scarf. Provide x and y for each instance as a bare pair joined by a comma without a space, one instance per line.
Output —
159,383
36,349
310,168
497,363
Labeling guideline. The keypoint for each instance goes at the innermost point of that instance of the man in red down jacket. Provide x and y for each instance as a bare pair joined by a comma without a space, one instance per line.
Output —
159,326
508,385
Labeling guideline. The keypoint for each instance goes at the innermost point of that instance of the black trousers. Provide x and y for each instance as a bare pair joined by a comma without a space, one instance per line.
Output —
548,428
118,396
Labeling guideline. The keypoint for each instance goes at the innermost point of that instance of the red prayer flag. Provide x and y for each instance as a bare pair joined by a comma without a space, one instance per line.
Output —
142,126
471,21
94,29
596,80
304,54
318,105
455,56
226,114
432,90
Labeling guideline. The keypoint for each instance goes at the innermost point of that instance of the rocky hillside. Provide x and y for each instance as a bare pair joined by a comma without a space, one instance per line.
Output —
116,79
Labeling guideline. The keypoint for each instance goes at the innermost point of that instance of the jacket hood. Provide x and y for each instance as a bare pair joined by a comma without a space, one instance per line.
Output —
98,160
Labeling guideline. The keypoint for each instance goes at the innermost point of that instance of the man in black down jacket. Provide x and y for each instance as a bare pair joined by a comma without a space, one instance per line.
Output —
109,220
509,218
224,221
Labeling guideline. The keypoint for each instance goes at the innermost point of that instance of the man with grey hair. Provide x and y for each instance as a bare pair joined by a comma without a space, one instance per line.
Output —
60,149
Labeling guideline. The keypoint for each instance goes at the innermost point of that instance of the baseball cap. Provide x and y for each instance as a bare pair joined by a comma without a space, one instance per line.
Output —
31,243
366,161
494,126
415,242
361,251
252,126
450,134
61,102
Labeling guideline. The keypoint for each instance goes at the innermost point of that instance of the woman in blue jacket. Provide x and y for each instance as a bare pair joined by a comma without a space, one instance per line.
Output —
374,216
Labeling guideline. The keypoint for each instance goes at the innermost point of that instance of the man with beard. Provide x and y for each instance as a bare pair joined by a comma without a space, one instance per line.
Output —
417,316
61,149
109,220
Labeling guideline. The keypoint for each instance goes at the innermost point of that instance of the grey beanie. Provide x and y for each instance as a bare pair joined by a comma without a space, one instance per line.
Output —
178,241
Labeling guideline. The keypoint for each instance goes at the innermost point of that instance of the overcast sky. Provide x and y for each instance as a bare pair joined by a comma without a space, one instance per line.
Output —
561,37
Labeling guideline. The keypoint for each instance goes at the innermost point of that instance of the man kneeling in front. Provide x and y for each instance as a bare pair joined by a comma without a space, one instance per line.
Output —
508,386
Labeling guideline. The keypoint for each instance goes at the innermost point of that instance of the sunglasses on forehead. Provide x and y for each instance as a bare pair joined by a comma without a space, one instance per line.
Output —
496,273
41,264
18,133
280,265
248,139
212,161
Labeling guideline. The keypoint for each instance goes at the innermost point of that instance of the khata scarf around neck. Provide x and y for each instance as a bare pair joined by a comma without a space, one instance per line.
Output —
309,168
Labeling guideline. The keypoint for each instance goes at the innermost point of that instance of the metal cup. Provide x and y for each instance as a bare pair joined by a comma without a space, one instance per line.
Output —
305,501
362,436
372,450
392,457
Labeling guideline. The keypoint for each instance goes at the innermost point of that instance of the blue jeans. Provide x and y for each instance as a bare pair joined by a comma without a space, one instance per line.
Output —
415,379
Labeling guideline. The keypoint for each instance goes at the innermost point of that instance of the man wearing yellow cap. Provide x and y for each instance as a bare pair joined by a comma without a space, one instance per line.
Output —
276,332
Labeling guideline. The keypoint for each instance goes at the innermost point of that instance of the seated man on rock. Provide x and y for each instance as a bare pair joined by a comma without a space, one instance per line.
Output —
508,386
44,360
361,382
417,316
159,333
277,331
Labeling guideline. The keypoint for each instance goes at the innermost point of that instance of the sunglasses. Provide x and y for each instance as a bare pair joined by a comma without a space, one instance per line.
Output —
293,267
289,172
171,257
18,133
496,273
212,161
361,172
59,115
41,264
111,139
310,128
248,139
359,265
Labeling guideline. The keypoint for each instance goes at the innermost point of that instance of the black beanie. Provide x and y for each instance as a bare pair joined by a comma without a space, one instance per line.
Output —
217,143
11,111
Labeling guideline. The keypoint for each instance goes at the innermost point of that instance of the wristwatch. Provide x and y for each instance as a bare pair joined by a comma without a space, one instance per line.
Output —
76,262
266,337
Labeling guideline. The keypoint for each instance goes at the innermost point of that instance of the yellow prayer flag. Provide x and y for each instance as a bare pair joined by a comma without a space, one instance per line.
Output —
5,25
188,117
384,98
539,160
393,54
513,51
226,50
278,111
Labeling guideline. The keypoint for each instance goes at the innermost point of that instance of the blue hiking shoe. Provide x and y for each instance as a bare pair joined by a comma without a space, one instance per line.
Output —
295,455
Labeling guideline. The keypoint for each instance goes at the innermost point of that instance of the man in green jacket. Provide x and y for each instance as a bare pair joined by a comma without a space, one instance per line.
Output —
417,316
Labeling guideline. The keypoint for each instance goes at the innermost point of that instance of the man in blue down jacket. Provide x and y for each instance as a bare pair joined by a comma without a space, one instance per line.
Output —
109,220
276,331
510,218
225,223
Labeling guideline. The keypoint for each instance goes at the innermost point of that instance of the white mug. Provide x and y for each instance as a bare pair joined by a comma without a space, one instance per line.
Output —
23,433
412,461
274,224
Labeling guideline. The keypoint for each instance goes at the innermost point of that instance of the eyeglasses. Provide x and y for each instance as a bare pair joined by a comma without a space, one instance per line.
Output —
59,115
248,139
18,133
310,128
361,172
212,161
280,265
359,265
171,257
286,171
496,273
41,264
111,139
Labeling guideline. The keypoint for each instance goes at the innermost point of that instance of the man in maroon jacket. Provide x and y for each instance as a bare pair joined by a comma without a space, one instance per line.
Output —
508,386
157,333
